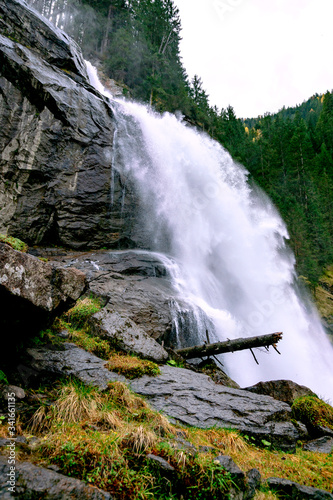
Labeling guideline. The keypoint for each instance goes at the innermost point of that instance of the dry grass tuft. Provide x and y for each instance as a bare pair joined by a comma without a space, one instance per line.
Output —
139,439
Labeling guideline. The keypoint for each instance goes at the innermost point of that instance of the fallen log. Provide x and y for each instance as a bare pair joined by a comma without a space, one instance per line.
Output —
199,351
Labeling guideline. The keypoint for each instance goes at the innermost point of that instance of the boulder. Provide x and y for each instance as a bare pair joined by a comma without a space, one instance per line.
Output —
194,399
123,333
283,390
56,133
321,445
33,292
290,489
37,482
70,360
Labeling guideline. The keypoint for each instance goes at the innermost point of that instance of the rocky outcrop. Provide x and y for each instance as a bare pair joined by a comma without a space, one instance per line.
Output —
70,360
194,399
56,132
33,292
282,390
123,333
136,286
289,489
320,445
36,482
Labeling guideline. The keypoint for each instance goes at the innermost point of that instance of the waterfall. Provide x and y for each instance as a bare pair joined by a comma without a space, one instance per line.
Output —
227,242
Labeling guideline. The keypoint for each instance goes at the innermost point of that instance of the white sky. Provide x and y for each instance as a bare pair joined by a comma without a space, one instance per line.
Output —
258,55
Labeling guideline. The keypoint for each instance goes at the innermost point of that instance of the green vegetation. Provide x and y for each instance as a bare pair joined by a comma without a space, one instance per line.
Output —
131,366
104,439
83,309
14,243
3,377
313,412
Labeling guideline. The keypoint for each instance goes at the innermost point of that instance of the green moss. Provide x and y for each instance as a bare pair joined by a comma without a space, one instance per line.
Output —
95,345
131,366
313,412
82,310
14,243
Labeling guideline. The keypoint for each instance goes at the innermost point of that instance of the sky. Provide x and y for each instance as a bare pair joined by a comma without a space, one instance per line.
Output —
258,55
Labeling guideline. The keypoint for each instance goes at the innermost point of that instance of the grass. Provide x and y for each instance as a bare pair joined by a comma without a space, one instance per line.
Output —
131,366
78,315
14,243
104,439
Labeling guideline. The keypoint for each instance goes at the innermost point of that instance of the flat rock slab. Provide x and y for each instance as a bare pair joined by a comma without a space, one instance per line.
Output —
321,445
37,482
194,399
121,331
74,361
289,489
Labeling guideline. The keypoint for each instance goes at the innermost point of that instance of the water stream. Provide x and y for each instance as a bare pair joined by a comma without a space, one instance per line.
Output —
225,242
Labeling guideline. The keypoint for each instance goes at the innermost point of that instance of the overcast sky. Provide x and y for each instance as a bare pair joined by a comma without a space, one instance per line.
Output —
258,55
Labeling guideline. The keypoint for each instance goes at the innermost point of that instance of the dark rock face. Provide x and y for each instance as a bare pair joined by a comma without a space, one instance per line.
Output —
71,360
33,292
122,332
37,482
289,489
283,390
320,445
56,136
135,286
193,399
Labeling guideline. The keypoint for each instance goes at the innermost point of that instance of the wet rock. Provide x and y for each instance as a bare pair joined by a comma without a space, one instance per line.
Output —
282,390
56,135
37,482
163,464
289,489
253,478
320,445
33,292
20,22
73,361
194,399
123,333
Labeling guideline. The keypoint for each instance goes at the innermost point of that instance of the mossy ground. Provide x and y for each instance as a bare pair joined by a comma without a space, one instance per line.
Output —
104,438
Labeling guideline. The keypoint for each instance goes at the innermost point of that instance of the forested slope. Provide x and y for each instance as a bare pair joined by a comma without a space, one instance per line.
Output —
289,154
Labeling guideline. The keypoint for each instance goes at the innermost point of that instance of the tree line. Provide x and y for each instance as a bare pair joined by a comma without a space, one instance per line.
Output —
289,154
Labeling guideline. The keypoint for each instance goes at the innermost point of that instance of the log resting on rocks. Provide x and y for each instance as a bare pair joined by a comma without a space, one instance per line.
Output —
230,346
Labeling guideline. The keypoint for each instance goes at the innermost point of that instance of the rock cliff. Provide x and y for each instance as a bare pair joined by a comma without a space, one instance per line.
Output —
56,137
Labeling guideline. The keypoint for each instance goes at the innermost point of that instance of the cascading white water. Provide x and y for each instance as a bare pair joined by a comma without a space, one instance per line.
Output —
228,242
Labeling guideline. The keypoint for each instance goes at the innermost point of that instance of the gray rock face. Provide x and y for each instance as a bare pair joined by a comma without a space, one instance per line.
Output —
194,399
38,282
55,140
283,390
289,489
37,482
33,292
320,445
135,285
73,361
20,22
122,332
